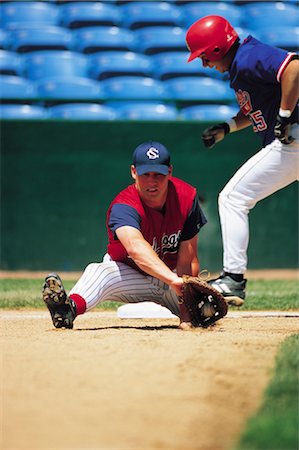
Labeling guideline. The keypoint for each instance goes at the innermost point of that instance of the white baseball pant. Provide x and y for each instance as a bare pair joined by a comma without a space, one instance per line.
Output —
272,168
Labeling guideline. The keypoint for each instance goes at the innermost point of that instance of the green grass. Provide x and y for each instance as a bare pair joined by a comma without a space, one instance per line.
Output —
275,425
261,294
26,293
272,294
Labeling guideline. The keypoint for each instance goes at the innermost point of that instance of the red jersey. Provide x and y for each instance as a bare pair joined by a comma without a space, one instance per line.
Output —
162,229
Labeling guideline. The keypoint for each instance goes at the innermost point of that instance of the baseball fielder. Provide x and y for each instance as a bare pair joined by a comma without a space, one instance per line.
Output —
152,226
266,82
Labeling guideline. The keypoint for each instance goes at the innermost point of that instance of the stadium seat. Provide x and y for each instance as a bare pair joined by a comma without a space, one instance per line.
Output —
153,40
59,89
133,88
4,39
82,111
16,88
282,37
41,38
48,63
145,111
116,63
202,89
257,16
94,39
174,64
10,63
16,14
196,10
245,32
22,112
84,14
209,112
142,14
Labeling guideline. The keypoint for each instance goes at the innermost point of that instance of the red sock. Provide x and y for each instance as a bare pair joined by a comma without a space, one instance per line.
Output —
80,303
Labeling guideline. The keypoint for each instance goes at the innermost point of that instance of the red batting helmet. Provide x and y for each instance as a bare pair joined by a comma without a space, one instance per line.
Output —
212,36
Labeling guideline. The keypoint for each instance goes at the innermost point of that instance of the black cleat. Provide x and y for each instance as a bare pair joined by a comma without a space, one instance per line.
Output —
61,307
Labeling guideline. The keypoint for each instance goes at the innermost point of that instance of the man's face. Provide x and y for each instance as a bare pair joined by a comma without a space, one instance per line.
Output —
220,65
152,186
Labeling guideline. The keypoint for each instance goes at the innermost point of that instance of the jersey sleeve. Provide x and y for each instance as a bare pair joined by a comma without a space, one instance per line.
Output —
195,221
123,215
265,64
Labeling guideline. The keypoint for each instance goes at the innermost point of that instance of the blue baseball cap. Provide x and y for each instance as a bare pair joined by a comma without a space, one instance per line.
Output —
151,156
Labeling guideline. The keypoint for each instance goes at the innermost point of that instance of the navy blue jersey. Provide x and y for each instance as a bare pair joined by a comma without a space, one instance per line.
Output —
255,76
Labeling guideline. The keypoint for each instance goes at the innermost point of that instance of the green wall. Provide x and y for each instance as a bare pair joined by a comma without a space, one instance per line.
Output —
58,179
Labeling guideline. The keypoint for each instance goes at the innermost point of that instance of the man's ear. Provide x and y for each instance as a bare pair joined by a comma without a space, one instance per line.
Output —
170,170
133,172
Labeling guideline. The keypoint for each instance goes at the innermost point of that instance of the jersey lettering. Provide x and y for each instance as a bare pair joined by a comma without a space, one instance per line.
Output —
258,121
169,244
243,99
256,117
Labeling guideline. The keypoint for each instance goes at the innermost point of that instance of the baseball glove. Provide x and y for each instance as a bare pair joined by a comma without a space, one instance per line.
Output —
203,302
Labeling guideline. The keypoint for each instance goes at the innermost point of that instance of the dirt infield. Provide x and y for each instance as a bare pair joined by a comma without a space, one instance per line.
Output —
133,384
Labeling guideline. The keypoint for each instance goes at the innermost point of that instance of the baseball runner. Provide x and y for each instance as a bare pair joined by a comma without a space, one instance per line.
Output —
153,228
266,82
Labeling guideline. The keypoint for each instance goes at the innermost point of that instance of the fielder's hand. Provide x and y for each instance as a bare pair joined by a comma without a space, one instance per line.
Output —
282,130
215,134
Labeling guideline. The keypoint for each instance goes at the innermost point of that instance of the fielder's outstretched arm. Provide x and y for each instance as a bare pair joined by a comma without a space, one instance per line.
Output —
146,258
188,263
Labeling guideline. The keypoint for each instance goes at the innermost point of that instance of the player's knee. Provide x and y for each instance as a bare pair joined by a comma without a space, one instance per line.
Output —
222,199
234,200
91,266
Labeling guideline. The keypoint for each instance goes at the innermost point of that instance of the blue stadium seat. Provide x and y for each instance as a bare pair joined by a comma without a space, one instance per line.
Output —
22,112
195,10
151,40
69,88
282,37
82,111
209,112
41,38
174,64
199,89
16,14
145,111
133,88
48,63
93,39
4,39
10,63
142,14
84,14
17,88
245,32
257,16
116,63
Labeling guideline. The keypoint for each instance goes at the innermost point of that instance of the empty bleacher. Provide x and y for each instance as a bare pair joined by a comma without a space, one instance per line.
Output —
123,59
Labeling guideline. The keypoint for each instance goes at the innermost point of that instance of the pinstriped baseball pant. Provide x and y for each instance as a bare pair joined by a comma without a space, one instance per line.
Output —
115,281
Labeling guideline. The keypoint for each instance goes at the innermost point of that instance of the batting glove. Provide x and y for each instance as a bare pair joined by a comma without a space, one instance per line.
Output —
212,135
282,129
